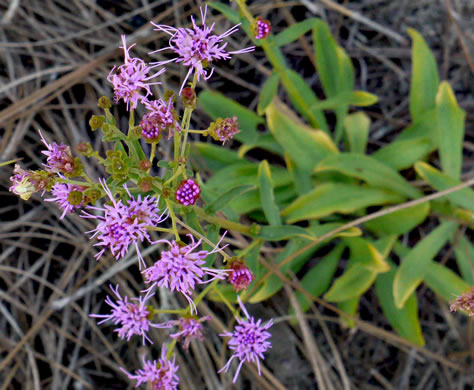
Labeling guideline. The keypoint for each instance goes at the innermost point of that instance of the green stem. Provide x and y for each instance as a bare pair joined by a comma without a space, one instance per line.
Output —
204,292
173,219
159,229
79,183
187,117
170,311
226,301
224,223
176,174
171,347
152,154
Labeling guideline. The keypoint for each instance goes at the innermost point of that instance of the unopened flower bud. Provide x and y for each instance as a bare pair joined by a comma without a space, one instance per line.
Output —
224,129
85,149
261,28
240,275
188,96
144,165
166,192
92,194
75,198
145,184
188,192
96,122
104,103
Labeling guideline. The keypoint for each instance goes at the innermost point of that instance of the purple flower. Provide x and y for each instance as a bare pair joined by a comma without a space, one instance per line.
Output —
239,276
464,302
248,341
189,329
197,47
160,117
160,375
61,193
131,78
133,318
180,269
188,192
60,159
224,129
123,225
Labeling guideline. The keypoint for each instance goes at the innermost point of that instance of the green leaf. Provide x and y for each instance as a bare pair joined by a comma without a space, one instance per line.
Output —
403,154
344,99
440,181
217,105
405,320
450,121
302,97
285,232
212,235
366,254
401,221
301,177
331,198
268,92
414,266
267,197
370,170
353,283
424,126
228,12
318,279
350,307
214,157
357,129
293,32
226,198
305,146
465,258
424,81
444,281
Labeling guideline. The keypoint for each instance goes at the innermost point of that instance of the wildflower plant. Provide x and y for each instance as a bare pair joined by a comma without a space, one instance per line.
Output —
311,202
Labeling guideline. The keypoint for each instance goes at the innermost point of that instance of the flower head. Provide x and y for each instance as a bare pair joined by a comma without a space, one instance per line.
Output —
161,117
181,269
188,192
124,224
261,28
197,47
26,183
160,375
131,78
248,341
224,129
464,302
60,159
189,329
239,276
132,316
63,195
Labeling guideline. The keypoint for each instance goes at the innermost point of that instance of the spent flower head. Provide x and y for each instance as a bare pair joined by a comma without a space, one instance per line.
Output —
131,78
26,183
248,341
197,47
464,302
124,224
161,375
190,328
181,269
224,129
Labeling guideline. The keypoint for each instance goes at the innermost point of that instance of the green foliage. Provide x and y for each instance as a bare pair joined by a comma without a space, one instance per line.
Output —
328,180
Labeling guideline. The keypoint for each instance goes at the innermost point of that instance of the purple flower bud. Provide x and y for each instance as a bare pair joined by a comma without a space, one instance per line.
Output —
261,28
239,276
224,129
188,192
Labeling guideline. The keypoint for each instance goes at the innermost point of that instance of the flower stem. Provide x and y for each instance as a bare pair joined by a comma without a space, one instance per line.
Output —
187,118
173,219
204,292
159,229
152,154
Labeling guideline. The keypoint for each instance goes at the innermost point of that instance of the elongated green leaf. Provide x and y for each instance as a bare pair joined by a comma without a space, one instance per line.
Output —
450,121
357,130
326,57
440,181
268,92
301,177
305,146
405,320
403,154
318,279
414,266
465,259
285,232
228,12
370,170
331,198
400,222
271,210
350,307
302,97
366,254
444,281
424,81
212,234
344,99
353,283
265,141
226,198
293,32
217,105
211,156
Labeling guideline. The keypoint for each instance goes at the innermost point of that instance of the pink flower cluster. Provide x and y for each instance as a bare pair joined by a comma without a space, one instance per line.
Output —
61,192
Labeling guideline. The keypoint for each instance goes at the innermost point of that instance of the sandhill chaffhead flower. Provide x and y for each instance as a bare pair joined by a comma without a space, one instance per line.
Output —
248,341
122,225
131,78
62,196
197,47
190,328
132,316
181,269
159,375
59,157
240,275
160,117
